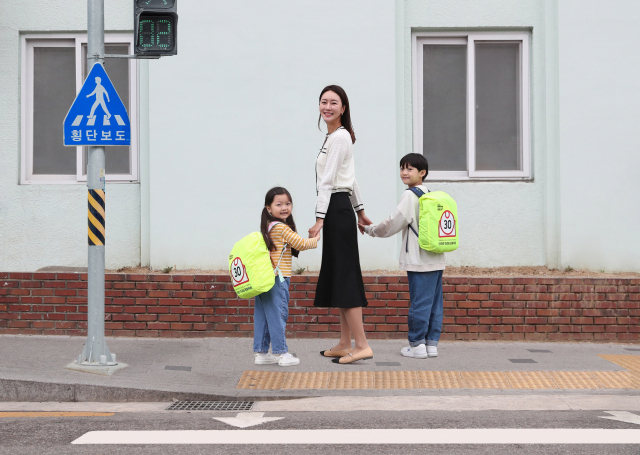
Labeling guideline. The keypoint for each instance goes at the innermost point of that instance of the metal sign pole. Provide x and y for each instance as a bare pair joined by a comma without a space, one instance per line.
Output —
96,352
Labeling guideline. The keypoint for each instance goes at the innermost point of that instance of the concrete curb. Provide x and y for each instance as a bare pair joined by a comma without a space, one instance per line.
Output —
33,391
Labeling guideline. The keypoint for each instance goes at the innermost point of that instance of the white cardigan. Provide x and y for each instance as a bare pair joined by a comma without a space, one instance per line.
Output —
335,171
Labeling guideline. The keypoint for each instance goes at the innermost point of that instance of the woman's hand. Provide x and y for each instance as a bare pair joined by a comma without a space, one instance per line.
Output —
315,230
363,220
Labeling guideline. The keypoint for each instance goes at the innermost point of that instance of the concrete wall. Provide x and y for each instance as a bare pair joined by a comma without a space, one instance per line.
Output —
43,225
236,113
600,134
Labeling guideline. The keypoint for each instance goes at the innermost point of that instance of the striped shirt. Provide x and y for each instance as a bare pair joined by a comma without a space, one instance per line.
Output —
281,234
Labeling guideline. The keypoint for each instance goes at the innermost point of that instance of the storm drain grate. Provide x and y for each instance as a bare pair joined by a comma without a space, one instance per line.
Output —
522,361
211,406
539,350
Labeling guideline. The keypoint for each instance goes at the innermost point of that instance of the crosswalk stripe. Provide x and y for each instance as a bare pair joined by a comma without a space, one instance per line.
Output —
77,120
106,121
91,121
369,436
119,120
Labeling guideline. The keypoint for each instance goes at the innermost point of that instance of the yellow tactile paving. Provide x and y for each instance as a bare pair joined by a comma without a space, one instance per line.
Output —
440,380
575,380
530,380
314,380
351,380
396,380
56,414
261,380
617,379
485,380
630,362
273,380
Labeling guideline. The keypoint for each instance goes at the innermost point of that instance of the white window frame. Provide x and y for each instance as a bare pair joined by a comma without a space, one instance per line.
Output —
419,39
76,40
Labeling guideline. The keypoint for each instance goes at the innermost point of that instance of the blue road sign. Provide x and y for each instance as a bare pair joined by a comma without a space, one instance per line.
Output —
97,115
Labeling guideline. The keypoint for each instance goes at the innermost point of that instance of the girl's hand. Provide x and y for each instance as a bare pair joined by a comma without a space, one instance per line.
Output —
317,237
315,230
363,220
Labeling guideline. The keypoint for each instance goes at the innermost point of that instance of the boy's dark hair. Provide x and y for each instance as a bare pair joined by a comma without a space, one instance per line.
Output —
417,161
266,219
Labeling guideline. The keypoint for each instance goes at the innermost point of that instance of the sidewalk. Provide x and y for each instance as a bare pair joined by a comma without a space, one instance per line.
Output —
32,369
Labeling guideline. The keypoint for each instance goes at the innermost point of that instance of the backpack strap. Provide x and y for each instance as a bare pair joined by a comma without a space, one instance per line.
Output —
418,192
284,248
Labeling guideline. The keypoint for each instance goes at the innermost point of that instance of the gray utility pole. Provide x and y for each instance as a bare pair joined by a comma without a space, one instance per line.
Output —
96,352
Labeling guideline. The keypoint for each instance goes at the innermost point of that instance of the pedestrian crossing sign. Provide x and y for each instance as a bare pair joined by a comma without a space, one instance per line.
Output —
97,115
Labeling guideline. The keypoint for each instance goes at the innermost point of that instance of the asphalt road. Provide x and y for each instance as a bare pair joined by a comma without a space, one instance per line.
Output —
53,435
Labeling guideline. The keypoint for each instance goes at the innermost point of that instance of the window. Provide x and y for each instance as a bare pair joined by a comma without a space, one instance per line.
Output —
471,104
54,68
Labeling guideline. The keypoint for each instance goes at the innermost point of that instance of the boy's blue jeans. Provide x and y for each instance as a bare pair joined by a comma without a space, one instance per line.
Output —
270,315
425,311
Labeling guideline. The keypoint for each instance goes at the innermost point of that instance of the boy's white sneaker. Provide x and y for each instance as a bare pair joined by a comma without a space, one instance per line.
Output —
432,351
287,360
265,358
417,352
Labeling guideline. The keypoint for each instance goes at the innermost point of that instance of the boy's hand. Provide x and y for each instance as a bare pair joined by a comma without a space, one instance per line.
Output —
363,220
361,227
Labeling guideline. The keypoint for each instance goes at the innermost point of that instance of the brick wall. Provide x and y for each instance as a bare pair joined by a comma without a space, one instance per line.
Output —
206,306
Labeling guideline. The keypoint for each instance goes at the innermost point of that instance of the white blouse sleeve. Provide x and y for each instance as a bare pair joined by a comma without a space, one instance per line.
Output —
335,158
356,199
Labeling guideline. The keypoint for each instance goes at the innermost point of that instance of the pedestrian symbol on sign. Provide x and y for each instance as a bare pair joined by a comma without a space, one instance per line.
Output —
89,121
99,92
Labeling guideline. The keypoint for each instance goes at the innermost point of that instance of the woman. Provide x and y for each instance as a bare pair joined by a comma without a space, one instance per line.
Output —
340,282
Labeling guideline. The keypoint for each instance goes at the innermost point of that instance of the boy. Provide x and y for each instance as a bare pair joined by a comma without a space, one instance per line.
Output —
424,269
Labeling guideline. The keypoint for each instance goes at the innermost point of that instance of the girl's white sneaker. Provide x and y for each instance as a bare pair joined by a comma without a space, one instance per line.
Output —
432,351
265,358
417,352
287,360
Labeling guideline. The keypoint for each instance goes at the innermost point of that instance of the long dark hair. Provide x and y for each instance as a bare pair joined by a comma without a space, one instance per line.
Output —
266,219
346,116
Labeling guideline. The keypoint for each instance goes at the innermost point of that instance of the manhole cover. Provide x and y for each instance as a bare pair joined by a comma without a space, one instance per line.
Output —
177,368
522,361
211,406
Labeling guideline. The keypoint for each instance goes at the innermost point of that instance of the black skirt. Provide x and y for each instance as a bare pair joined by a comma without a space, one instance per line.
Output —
340,282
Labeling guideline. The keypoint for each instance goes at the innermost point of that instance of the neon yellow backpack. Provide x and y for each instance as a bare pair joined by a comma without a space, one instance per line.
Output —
250,266
438,224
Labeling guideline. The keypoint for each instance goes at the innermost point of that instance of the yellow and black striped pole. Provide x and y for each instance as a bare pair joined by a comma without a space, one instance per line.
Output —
96,217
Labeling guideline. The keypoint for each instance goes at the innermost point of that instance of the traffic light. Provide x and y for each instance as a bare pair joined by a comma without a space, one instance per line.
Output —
156,27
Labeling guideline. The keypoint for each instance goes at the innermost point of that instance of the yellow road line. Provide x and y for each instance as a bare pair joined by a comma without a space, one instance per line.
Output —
56,414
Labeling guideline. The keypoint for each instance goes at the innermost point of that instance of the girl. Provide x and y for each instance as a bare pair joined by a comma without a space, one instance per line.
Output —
340,282
272,308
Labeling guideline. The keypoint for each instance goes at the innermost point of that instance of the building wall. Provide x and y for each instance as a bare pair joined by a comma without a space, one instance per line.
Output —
44,225
236,113
600,134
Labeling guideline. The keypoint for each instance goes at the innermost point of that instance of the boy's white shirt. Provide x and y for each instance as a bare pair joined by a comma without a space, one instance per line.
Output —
407,212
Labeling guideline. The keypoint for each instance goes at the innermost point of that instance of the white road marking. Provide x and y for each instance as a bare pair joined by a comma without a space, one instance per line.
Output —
119,120
77,120
623,416
91,121
355,436
105,121
247,419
